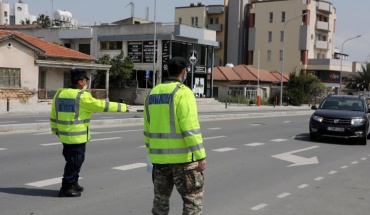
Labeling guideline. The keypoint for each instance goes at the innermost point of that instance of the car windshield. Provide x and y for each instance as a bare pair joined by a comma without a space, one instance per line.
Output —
343,104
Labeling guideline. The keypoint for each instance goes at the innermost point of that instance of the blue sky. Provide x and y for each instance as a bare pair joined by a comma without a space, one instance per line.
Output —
352,16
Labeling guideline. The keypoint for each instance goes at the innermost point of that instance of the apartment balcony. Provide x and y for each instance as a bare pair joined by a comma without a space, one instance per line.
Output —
215,27
324,7
325,26
78,33
329,65
321,44
215,9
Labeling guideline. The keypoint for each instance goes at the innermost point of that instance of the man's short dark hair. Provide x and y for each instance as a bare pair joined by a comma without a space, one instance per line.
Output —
176,65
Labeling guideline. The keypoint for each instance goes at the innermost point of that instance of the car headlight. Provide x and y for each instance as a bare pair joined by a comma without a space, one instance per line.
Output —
357,121
317,118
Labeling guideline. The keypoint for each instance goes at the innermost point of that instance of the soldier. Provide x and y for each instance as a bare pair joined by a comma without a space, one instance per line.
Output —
174,142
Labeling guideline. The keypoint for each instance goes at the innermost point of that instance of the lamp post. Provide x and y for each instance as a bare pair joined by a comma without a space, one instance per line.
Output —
155,40
283,57
341,63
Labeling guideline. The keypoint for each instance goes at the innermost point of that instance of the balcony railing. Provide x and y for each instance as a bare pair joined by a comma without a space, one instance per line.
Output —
325,26
321,44
325,7
215,27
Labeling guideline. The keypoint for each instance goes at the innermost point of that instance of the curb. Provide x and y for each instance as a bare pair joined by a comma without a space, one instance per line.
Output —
139,121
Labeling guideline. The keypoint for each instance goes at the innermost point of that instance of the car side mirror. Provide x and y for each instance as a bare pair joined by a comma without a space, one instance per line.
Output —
314,107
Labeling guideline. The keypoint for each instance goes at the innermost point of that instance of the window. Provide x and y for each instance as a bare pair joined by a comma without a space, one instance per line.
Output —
180,20
111,45
281,36
283,16
211,21
194,21
5,13
10,77
270,37
271,17
281,55
216,20
269,55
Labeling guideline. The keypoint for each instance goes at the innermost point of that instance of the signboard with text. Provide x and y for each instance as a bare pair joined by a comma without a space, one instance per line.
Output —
142,51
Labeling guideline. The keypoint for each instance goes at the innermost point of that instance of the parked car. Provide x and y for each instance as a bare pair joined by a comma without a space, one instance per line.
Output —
340,116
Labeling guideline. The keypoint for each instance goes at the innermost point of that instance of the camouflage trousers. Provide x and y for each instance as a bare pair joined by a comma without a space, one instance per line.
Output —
189,183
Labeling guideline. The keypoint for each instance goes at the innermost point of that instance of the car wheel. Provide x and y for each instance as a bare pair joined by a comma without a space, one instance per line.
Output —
313,136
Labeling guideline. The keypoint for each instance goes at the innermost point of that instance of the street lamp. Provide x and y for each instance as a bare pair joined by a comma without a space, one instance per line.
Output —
155,40
282,65
341,63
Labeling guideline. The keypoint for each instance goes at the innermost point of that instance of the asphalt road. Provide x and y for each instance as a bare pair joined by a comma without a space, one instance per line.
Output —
250,171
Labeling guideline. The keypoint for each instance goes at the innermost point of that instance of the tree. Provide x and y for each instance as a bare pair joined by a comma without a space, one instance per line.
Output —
25,22
43,21
121,70
360,80
304,88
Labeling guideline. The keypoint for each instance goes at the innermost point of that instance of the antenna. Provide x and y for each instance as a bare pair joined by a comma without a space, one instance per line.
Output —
147,13
132,8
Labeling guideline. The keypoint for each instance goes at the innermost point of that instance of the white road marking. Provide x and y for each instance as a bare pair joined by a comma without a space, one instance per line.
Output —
8,122
254,144
93,140
299,136
332,172
344,167
363,159
256,124
302,186
283,195
209,138
43,133
278,140
142,146
259,207
130,166
51,144
354,162
287,121
108,117
297,160
214,128
42,120
47,182
111,132
224,149
3,149
319,178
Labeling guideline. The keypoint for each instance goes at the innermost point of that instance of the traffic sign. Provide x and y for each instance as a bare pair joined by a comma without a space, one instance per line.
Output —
147,74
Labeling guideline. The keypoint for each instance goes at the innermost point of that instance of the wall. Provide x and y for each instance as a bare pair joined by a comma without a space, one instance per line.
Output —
19,56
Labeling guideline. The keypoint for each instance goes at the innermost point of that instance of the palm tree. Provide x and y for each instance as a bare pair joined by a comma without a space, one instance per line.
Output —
25,22
361,80
43,21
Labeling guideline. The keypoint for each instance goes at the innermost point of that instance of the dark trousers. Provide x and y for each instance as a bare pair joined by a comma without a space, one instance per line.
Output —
74,154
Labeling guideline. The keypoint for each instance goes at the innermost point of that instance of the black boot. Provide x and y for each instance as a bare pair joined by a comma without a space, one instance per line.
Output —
68,190
77,187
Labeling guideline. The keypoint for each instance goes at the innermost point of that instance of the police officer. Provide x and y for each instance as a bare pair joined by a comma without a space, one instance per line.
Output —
174,142
70,120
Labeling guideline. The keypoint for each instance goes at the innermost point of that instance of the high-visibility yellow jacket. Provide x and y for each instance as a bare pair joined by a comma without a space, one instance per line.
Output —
171,127
71,113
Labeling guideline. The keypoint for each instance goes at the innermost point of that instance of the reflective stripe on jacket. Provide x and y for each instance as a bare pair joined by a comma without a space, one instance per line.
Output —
171,127
71,112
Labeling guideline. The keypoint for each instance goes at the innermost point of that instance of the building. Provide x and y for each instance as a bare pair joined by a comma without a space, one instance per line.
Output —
212,17
302,32
136,40
16,14
31,69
